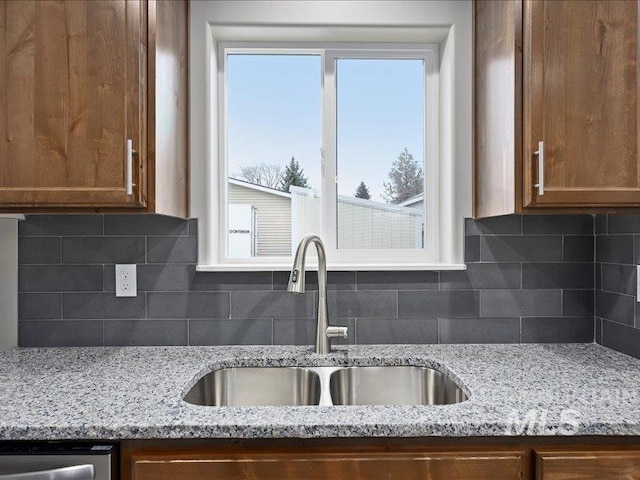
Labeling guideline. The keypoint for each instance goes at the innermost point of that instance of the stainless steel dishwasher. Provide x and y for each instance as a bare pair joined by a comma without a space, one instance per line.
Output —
57,461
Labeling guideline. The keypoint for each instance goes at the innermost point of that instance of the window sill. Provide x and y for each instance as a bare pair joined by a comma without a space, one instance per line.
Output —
336,267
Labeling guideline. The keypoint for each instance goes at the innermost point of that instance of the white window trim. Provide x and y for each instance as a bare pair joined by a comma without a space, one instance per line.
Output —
447,23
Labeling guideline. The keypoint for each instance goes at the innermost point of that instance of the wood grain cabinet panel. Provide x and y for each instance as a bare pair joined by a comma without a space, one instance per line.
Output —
334,466
498,111
581,99
71,96
77,80
589,465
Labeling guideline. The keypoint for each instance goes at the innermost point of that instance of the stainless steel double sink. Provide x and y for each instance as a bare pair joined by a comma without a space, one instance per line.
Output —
300,386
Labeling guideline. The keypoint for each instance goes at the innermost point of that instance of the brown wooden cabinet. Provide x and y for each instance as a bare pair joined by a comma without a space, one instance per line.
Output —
590,465
566,74
324,466
433,458
77,81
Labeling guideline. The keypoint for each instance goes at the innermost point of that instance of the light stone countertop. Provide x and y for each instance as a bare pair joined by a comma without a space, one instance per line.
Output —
136,392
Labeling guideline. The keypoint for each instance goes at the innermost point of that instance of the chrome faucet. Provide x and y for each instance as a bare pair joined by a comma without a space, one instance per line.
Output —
296,285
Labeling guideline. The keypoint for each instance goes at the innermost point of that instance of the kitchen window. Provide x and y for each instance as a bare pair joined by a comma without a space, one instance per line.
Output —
359,131
341,142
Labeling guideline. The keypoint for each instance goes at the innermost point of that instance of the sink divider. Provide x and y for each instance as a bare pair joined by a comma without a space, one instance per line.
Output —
324,374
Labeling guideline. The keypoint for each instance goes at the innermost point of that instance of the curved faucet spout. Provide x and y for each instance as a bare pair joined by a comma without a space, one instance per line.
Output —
297,277
297,285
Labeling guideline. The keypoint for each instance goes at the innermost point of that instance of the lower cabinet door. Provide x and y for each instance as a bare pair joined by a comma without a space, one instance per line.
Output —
332,466
595,465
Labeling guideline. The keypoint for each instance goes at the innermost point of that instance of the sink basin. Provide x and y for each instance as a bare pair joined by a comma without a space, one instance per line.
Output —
393,386
266,386
300,386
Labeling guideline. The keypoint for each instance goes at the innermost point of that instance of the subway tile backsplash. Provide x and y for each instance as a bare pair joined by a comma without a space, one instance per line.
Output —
616,305
529,279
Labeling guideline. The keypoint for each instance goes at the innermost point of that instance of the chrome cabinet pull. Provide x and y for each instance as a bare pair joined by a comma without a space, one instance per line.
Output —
540,155
78,472
128,174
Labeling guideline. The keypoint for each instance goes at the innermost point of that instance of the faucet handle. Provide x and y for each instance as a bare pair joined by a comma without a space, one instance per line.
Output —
337,332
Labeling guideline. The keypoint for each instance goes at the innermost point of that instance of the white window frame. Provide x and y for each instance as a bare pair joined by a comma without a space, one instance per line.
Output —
329,54
430,254
447,24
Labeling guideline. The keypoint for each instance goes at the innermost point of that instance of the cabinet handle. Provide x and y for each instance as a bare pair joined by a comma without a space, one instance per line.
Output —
540,155
128,174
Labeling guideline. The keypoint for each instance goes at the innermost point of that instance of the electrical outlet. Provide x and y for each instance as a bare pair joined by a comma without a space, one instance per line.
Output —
126,281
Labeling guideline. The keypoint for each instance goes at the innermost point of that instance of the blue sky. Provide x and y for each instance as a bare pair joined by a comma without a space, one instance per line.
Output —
274,113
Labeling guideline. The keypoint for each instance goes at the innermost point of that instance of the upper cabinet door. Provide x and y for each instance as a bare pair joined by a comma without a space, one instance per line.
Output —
581,102
72,86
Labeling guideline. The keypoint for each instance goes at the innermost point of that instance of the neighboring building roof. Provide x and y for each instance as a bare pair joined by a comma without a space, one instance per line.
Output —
354,200
261,188
342,198
413,200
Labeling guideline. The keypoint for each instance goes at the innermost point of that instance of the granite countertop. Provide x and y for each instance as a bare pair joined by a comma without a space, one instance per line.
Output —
118,393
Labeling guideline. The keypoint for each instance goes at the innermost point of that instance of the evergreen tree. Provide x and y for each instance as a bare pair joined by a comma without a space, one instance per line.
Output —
293,175
363,191
406,179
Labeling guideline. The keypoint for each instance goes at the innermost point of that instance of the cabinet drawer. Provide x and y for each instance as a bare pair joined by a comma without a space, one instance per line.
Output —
596,465
331,466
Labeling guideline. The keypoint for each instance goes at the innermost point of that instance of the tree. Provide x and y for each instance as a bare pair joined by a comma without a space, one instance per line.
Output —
265,174
406,179
363,191
293,175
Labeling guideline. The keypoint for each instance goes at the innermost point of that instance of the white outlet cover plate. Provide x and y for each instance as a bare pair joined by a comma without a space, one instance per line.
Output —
126,281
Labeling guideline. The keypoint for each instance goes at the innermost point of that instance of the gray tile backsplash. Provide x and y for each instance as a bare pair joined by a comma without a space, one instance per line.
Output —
516,303
146,332
62,226
60,333
528,279
188,304
479,330
557,275
463,303
505,225
521,248
483,276
40,250
60,278
618,278
231,332
616,305
396,330
557,329
103,306
397,280
577,303
564,224
88,250
615,248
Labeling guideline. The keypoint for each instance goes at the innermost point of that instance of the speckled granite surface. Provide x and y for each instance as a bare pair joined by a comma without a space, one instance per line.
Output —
116,393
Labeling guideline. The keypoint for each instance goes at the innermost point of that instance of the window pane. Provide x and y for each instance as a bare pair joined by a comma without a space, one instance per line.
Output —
380,152
273,123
